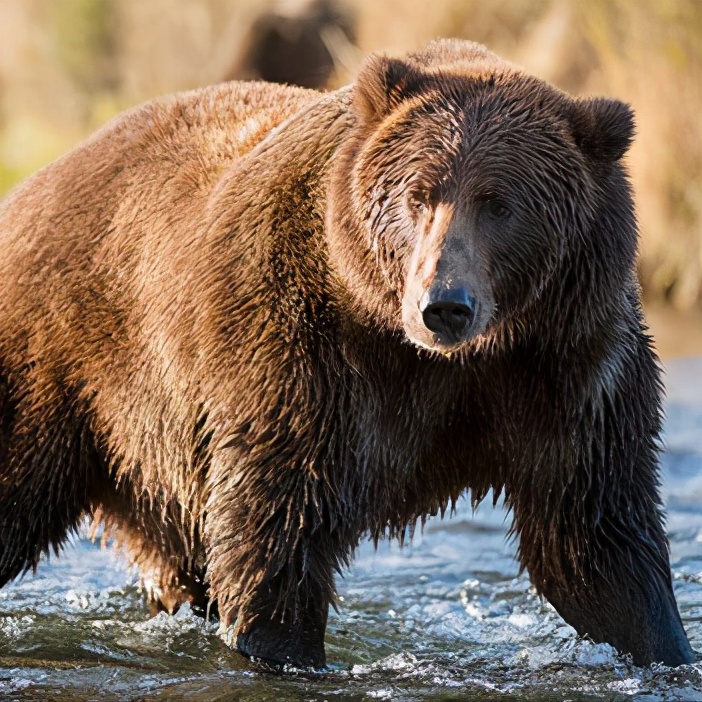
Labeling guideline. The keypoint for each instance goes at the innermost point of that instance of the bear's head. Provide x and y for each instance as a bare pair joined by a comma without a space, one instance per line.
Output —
463,189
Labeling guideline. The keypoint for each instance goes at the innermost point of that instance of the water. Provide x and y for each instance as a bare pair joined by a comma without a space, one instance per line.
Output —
446,618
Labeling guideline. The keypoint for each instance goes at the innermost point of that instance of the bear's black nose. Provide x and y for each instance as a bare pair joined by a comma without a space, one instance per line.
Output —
449,313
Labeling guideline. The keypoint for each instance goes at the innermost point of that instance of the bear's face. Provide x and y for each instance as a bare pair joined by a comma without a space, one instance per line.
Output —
463,191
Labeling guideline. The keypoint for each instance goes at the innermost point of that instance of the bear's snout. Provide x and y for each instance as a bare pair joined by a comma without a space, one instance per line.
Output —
449,313
448,298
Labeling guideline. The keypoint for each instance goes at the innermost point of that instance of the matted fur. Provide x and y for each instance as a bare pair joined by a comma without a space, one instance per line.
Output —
210,339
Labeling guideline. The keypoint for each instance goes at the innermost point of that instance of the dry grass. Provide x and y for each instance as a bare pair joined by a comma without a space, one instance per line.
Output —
68,65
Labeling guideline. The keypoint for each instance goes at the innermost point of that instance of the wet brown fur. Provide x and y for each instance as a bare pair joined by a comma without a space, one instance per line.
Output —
202,343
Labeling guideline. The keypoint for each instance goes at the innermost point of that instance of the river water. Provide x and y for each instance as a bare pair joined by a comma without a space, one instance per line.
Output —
445,618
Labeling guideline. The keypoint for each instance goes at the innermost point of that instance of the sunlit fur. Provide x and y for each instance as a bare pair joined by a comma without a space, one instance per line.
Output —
202,344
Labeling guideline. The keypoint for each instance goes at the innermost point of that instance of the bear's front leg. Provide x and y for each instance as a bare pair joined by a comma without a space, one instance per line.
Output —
589,518
272,553
292,635
605,569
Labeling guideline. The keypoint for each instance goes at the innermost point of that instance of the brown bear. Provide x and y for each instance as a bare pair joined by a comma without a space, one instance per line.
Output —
300,43
248,325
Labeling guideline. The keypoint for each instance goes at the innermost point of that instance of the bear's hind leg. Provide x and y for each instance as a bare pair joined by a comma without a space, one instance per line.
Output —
49,469
167,551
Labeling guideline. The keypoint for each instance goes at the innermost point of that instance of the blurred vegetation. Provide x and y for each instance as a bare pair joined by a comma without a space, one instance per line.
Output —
66,66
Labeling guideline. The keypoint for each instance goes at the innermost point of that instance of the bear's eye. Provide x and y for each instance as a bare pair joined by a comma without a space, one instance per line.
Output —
497,209
418,203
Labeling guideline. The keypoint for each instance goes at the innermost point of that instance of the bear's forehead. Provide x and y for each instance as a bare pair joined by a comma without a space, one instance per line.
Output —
508,94
465,109
488,153
468,127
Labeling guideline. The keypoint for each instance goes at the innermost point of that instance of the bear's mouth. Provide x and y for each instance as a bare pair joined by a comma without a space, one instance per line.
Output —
433,342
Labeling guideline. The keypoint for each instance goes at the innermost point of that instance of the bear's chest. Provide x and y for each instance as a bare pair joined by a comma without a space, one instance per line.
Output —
408,441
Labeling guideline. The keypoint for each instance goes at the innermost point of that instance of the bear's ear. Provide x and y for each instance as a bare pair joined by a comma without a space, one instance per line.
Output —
383,83
603,128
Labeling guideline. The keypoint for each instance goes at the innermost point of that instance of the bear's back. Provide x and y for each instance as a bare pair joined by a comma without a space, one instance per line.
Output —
141,177
189,137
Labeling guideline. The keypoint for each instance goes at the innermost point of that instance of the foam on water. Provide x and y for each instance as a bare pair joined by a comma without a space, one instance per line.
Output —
446,617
